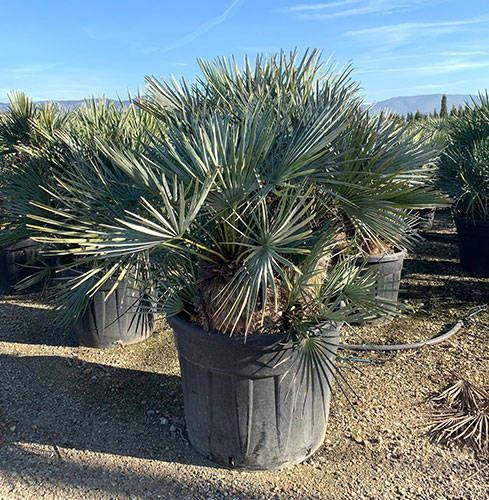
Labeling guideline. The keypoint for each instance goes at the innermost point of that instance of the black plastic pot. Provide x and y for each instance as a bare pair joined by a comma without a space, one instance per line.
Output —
122,318
244,404
16,261
425,220
388,269
473,244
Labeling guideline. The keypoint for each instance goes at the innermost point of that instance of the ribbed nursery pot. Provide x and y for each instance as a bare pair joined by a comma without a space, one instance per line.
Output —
388,270
245,405
15,262
121,318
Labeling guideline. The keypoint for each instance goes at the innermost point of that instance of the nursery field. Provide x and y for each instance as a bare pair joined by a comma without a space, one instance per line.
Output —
81,423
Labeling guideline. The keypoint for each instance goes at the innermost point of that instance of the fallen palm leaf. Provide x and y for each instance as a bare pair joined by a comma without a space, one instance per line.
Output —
464,415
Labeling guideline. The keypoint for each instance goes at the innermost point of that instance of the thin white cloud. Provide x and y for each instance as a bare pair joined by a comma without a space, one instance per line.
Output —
459,53
438,69
435,86
201,30
433,69
376,64
391,35
320,6
335,9
28,70
410,28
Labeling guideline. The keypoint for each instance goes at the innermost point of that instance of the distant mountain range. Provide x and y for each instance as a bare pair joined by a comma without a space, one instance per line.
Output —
65,104
399,105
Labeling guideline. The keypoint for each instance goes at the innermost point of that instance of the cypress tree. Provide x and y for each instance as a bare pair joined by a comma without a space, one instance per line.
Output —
443,107
453,111
418,115
435,113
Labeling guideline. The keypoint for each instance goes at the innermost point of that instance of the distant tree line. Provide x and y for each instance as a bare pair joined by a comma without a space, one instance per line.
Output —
444,113
460,111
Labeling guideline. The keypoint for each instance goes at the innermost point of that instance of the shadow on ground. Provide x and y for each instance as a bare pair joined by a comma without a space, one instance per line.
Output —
26,324
89,406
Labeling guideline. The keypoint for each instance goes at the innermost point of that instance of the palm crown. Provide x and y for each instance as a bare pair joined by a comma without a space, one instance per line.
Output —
244,202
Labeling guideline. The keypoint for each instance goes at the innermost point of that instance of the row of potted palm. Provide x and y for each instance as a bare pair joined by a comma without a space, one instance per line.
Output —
41,149
245,206
17,128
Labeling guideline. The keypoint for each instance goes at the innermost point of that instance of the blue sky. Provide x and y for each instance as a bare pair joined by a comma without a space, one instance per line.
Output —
72,49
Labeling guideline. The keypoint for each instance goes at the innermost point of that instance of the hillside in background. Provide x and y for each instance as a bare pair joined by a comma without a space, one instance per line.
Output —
64,104
425,103
400,105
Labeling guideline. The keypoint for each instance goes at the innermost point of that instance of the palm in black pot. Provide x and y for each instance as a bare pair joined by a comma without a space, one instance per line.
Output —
386,173
239,219
464,175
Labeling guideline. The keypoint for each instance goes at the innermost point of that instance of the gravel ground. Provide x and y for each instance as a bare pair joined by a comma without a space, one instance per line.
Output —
80,423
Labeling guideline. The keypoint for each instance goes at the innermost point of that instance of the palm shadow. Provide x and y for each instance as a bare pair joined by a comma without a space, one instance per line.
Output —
87,406
432,267
23,323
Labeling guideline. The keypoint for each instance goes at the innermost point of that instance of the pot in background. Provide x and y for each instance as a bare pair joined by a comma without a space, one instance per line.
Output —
426,218
473,244
124,317
388,270
17,261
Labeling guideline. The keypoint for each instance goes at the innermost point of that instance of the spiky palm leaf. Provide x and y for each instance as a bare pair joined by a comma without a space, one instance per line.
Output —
16,123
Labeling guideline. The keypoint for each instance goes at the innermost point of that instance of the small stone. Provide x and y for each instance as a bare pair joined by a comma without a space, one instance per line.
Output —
150,412
163,421
12,428
173,428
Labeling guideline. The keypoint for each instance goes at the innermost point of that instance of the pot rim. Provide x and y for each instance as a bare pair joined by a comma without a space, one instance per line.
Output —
252,338
385,257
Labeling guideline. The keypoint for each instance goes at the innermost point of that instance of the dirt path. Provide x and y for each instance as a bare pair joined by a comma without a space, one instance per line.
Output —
79,423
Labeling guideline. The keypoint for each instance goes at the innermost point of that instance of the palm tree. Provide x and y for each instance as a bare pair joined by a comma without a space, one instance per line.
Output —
464,175
238,200
243,201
